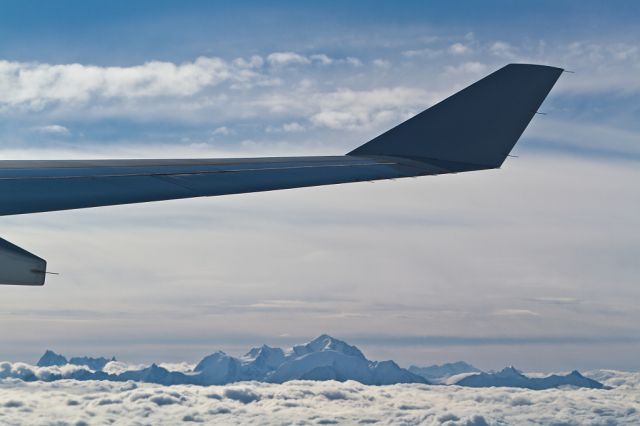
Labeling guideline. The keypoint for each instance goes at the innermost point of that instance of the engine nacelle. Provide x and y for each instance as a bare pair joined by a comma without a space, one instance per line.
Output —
19,267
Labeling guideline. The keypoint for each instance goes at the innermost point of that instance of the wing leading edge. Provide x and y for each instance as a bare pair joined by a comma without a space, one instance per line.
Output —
71,185
474,129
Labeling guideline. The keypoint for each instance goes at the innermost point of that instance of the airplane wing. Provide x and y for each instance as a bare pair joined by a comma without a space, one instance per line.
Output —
474,129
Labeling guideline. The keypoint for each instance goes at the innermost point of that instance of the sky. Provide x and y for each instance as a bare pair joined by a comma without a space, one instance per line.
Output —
534,264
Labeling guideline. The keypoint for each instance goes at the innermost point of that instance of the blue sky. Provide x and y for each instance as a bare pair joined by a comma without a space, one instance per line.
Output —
532,265
174,31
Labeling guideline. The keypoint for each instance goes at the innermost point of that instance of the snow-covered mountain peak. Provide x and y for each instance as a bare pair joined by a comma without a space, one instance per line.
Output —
213,361
510,371
263,352
268,357
255,352
327,343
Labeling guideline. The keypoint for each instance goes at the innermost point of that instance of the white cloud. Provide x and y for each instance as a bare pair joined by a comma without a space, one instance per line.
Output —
321,58
243,89
459,49
293,58
609,68
222,130
35,85
381,63
346,109
467,68
353,61
118,367
428,52
303,402
255,61
291,127
502,48
54,129
350,109
20,370
190,91
287,58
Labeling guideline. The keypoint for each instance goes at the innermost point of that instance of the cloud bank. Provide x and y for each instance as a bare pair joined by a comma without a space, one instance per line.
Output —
35,85
305,402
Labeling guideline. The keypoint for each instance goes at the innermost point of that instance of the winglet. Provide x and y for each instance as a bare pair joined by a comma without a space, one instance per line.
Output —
475,128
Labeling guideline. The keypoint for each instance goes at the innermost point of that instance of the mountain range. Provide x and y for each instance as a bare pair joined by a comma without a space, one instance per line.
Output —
323,358
511,377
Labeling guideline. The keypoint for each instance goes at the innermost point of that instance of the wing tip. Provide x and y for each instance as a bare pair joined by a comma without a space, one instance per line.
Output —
534,66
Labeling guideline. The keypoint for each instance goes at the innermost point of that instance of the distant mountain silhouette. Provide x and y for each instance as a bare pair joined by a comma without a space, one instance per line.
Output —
438,373
50,358
511,377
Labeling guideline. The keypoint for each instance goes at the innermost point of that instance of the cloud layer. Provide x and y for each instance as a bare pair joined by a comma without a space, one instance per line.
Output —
317,91
35,84
304,402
